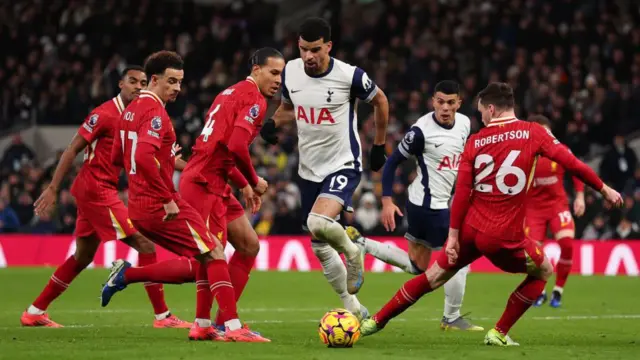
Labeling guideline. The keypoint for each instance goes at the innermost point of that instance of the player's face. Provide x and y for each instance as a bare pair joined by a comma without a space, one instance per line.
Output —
315,54
169,83
133,82
446,106
269,76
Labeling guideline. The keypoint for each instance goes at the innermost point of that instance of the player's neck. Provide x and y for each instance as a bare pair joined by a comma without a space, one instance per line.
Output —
153,92
322,70
503,118
124,100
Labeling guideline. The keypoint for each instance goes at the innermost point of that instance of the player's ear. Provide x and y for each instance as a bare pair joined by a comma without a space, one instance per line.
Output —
329,45
120,84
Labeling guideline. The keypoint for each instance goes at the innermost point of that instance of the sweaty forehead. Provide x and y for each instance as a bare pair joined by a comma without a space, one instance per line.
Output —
445,97
137,74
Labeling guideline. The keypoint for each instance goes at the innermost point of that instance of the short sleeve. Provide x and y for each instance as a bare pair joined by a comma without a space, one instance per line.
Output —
285,90
152,128
93,126
412,143
362,86
250,116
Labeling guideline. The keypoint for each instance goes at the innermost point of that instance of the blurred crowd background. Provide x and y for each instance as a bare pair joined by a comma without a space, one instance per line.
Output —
577,62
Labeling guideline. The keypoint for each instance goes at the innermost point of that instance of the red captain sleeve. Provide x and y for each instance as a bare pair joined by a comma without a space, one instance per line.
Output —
239,148
464,186
237,178
93,126
551,148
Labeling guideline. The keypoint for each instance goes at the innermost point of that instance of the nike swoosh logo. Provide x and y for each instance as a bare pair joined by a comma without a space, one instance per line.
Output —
438,145
295,91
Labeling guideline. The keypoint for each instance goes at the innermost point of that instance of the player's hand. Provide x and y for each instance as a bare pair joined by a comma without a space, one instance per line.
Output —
269,132
46,201
257,203
171,209
176,148
389,211
452,249
377,157
262,186
250,198
611,196
578,205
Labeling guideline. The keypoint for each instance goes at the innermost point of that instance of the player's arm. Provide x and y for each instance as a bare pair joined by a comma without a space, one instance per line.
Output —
462,198
150,135
578,202
87,133
179,164
366,90
550,147
240,140
283,115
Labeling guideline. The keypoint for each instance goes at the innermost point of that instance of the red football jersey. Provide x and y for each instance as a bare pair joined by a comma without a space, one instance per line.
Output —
98,178
496,171
547,190
239,105
146,121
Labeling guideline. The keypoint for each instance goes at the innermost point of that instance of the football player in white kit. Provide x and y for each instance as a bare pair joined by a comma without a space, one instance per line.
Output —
436,141
320,92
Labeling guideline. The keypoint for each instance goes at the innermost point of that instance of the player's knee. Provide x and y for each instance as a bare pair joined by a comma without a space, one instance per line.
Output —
318,225
140,243
250,245
415,269
83,258
437,276
545,270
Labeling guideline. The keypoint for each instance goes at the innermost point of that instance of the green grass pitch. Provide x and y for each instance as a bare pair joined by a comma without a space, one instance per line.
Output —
600,320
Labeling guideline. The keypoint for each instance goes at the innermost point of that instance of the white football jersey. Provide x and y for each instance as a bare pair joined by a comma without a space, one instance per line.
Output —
438,151
325,111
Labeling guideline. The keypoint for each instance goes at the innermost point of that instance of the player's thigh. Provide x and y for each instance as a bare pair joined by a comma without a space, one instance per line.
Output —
524,256
562,225
108,221
242,236
427,231
186,235
467,251
535,227
336,193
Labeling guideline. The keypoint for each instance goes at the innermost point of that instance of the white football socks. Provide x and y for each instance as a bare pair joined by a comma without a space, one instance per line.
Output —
336,274
454,294
203,323
331,232
163,316
35,311
391,255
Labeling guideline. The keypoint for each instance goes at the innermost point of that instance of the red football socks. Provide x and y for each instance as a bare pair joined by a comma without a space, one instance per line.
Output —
563,268
174,271
519,302
154,290
59,282
222,290
408,294
204,298
240,267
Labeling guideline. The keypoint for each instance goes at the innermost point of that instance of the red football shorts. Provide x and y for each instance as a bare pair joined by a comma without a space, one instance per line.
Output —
186,235
535,224
234,208
211,207
510,256
107,220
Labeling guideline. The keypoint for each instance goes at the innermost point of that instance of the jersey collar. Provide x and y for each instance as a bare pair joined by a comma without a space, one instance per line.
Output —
253,81
502,121
152,95
326,72
448,127
119,103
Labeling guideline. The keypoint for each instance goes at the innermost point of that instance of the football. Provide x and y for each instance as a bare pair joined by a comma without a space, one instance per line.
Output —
339,329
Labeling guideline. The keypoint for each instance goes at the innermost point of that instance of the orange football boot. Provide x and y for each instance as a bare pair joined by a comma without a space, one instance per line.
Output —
38,320
173,322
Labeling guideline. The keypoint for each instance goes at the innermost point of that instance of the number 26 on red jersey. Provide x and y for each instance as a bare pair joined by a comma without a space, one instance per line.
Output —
506,168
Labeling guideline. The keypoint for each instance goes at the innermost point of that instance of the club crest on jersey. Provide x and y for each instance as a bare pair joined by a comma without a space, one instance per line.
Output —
366,82
156,123
409,137
254,111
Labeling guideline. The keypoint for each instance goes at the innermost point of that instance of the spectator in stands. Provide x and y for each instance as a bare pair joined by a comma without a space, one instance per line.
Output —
17,154
627,230
367,213
598,230
619,164
9,221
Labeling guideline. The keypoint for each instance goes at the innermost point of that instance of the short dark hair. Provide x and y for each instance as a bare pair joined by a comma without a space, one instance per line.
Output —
159,61
497,94
261,56
315,28
540,119
130,68
447,87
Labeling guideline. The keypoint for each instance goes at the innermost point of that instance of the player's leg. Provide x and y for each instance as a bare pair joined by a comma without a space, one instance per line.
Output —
516,257
563,230
333,268
86,247
387,253
335,195
436,276
244,239
535,229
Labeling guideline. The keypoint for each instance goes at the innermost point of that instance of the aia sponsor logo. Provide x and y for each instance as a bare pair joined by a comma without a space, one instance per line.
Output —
314,116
